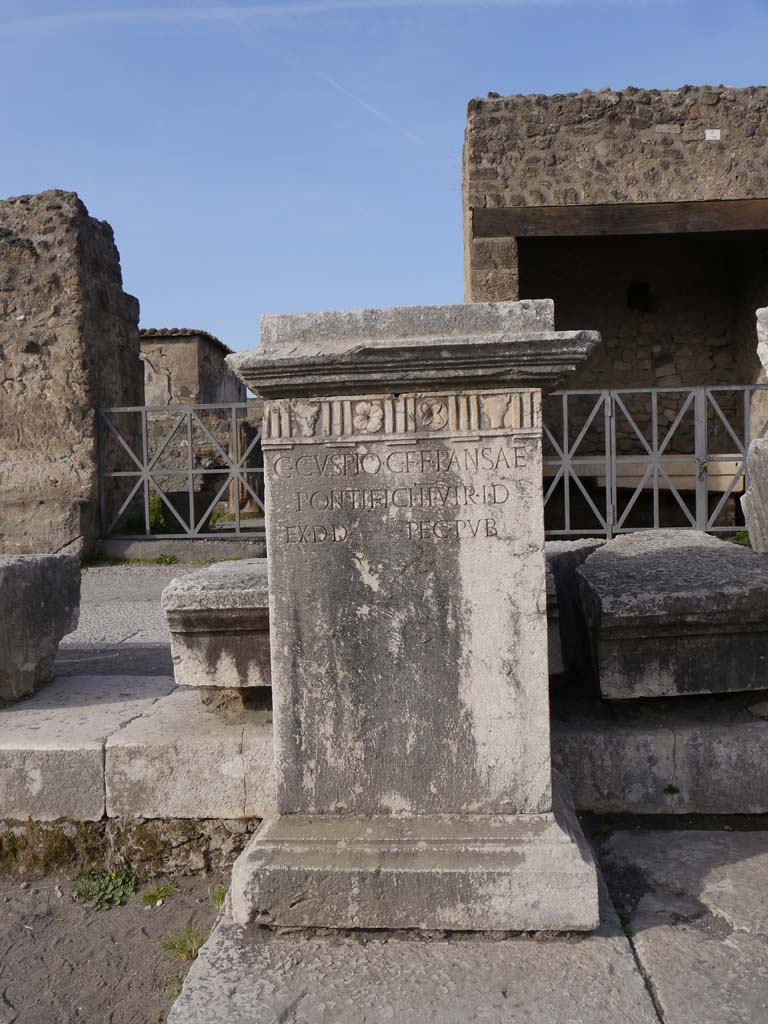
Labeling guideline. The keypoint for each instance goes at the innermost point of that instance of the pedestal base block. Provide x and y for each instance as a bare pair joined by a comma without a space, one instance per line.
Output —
466,873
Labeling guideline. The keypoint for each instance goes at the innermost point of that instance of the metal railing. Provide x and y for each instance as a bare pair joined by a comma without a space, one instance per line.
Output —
181,471
615,461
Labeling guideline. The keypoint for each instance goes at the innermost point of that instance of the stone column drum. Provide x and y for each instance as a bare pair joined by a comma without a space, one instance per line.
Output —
408,624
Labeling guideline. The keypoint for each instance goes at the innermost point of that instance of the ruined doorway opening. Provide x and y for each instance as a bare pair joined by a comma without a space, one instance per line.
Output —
674,311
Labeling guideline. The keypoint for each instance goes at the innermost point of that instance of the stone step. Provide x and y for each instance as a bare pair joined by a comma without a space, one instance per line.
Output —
159,752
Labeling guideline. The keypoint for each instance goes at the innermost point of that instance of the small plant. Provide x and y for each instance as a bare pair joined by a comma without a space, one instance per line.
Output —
671,790
184,945
166,560
105,889
218,896
625,922
160,892
156,512
741,537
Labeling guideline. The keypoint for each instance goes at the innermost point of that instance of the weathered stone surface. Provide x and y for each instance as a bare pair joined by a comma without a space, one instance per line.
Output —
409,347
181,846
676,612
754,501
39,604
219,624
70,344
52,746
385,535
668,314
563,558
254,976
184,366
530,872
181,759
704,755
405,691
698,918
762,336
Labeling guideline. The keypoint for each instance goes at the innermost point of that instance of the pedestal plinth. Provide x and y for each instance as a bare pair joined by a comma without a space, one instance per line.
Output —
408,625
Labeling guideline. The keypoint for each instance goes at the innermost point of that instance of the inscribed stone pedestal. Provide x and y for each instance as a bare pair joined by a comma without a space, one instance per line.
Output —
408,625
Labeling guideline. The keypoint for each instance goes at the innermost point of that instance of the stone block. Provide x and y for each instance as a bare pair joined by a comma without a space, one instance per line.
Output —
529,872
219,624
754,501
676,612
39,604
183,759
52,745
703,755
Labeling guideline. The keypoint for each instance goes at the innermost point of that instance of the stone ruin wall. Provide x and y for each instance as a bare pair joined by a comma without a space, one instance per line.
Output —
68,344
633,146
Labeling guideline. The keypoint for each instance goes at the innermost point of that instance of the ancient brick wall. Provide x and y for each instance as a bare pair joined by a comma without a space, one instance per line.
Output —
672,310
68,345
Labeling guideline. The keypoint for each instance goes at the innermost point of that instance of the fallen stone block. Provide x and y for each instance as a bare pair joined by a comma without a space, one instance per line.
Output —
39,604
185,760
674,612
52,746
754,502
219,624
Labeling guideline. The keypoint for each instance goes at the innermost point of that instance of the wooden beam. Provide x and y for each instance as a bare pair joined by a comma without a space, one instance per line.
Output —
620,219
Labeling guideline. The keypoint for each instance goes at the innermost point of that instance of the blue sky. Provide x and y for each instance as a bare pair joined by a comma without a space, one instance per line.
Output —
269,157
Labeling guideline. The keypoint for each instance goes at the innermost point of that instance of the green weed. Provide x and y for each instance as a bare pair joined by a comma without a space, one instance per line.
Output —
184,945
160,892
105,889
218,896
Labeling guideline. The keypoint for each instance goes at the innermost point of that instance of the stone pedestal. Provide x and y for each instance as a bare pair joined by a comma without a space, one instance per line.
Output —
408,624
218,619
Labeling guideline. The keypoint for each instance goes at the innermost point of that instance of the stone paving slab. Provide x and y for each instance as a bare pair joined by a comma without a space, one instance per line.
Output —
697,905
52,745
122,629
250,976
183,759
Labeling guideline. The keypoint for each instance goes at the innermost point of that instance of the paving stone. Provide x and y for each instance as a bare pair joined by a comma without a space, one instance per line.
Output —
255,976
219,624
676,612
39,601
122,629
52,745
184,759
698,911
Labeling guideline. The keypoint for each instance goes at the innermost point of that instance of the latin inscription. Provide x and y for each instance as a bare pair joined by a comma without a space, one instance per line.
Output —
324,482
